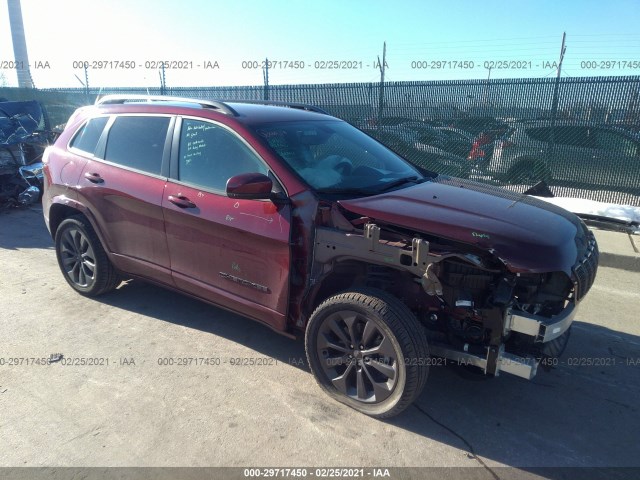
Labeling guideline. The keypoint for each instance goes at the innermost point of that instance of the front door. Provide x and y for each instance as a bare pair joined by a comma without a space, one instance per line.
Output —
234,253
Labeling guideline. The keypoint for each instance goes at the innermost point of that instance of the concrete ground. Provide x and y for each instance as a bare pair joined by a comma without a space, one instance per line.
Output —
135,412
619,250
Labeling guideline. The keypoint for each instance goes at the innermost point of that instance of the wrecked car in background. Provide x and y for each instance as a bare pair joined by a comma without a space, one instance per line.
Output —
24,135
294,218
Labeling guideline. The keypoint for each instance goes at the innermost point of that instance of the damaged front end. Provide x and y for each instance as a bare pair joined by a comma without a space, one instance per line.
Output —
477,311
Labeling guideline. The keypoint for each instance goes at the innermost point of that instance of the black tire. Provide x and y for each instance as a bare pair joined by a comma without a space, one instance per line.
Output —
556,347
385,370
82,259
528,172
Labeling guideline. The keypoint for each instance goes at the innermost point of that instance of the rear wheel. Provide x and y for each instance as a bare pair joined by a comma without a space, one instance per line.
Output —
83,261
367,350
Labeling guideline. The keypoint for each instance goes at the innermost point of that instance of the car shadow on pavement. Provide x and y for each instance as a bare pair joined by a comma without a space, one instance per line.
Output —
169,306
582,413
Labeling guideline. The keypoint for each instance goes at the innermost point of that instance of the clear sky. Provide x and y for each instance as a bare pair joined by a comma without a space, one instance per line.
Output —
426,40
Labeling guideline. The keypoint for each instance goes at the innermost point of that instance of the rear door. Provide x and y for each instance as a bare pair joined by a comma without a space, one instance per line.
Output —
618,159
122,186
234,253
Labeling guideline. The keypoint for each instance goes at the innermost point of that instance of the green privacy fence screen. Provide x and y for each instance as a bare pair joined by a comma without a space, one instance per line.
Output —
580,135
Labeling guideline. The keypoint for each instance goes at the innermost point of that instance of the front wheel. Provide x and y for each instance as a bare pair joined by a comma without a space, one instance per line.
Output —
83,261
367,350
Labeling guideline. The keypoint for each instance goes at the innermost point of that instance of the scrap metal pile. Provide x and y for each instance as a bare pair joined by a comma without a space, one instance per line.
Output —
24,135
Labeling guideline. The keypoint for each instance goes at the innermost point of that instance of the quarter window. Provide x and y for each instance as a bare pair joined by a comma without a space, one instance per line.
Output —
138,142
563,135
210,155
541,134
581,137
89,135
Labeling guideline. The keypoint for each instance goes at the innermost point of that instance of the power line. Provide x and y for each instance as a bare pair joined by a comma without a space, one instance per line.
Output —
475,41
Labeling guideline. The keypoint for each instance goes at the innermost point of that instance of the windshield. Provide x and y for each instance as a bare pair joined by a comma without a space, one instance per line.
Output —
333,156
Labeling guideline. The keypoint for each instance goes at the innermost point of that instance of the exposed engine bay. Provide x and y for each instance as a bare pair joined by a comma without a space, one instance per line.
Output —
474,308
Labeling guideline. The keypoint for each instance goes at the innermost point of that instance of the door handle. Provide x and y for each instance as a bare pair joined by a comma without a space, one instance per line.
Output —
181,201
94,177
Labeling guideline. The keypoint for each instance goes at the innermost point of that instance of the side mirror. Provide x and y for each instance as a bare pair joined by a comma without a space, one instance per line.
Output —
249,186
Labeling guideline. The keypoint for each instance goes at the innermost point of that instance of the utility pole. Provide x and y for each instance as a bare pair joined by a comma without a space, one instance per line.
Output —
86,78
382,67
486,90
554,104
163,84
554,107
265,77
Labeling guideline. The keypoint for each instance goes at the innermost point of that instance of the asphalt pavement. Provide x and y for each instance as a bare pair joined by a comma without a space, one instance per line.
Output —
139,405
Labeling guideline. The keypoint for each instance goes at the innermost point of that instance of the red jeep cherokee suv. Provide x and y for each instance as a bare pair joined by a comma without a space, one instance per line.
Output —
299,220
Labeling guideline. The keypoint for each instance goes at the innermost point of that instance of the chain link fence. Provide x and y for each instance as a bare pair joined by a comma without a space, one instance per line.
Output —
581,136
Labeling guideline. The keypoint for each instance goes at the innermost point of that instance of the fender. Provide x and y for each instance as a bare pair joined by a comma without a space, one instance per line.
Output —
62,204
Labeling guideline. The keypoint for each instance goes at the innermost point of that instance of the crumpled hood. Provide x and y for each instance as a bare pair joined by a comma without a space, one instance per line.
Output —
527,234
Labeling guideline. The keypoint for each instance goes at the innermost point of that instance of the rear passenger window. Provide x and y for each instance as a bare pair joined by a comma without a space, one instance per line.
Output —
137,142
89,135
581,137
563,135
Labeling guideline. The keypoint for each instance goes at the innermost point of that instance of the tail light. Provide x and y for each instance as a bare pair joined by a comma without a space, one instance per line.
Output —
476,153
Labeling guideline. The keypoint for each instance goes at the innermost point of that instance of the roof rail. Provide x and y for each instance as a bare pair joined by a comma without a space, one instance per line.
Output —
300,106
123,98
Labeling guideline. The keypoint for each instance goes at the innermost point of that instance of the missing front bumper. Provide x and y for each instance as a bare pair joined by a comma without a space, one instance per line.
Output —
523,367
543,329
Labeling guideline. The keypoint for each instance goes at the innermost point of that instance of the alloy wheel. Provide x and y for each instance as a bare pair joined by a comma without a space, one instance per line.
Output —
357,356
77,257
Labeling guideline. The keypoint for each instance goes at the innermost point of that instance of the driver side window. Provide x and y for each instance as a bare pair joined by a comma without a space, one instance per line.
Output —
210,154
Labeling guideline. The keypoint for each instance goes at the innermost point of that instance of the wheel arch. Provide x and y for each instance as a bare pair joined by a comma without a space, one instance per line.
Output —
58,212
352,274
333,282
